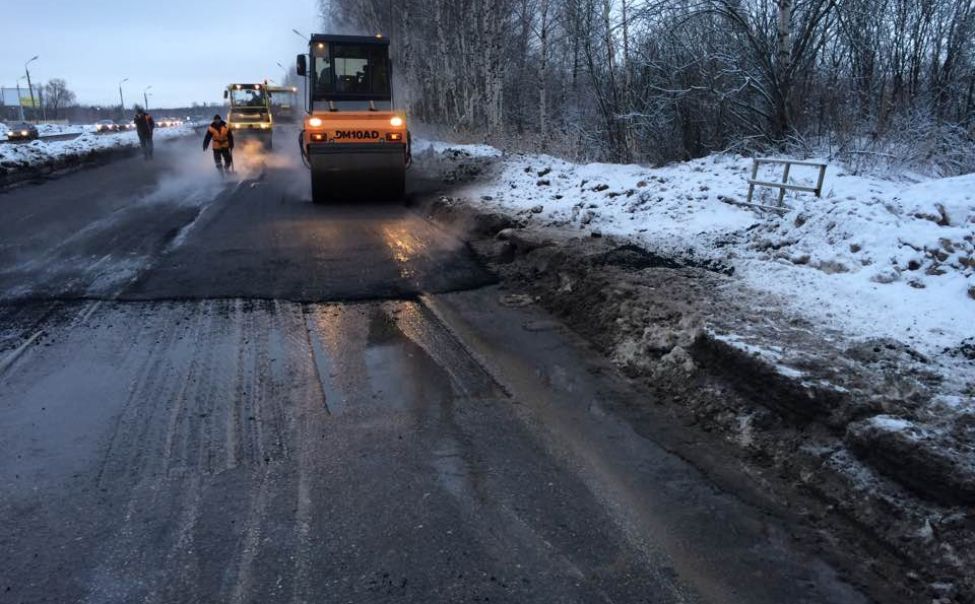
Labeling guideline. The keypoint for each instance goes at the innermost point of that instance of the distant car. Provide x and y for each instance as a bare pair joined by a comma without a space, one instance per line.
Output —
169,122
22,131
106,126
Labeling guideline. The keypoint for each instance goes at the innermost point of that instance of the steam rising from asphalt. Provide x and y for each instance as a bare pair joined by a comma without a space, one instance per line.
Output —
189,177
251,158
185,178
253,161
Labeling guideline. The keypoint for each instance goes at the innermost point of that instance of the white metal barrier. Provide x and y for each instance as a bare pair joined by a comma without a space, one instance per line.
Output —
784,185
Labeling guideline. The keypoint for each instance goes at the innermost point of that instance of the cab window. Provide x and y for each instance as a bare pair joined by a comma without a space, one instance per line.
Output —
356,69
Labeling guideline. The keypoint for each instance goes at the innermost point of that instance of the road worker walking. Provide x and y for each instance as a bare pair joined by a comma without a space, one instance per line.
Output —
223,144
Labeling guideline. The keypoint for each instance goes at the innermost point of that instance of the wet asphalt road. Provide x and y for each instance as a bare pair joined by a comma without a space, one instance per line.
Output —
218,392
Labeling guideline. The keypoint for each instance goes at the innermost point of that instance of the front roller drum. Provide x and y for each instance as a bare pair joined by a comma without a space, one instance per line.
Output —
357,172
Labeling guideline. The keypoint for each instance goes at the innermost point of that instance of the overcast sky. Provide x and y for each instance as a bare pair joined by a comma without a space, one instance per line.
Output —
187,50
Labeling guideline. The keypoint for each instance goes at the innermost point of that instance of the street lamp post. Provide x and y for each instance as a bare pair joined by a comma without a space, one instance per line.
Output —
145,98
305,38
120,97
30,88
19,102
286,73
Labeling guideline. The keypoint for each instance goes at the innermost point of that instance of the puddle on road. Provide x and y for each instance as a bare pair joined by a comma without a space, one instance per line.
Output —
394,354
365,359
401,374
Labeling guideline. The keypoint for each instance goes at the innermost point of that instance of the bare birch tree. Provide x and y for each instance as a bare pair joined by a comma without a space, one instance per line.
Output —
658,80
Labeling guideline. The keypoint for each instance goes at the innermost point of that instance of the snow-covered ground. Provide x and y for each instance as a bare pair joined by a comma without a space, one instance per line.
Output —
40,152
872,258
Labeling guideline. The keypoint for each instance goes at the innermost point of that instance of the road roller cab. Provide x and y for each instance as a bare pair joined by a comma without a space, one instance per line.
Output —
250,113
356,144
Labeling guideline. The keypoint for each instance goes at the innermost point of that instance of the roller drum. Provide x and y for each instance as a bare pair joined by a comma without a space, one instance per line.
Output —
357,172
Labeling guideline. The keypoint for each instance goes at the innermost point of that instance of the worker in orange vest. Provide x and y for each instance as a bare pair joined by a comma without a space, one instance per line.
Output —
144,125
223,143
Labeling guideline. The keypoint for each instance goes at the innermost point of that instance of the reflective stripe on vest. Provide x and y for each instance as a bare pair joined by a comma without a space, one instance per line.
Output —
220,136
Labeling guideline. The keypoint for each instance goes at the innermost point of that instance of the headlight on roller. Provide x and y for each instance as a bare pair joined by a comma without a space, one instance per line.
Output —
315,122
396,122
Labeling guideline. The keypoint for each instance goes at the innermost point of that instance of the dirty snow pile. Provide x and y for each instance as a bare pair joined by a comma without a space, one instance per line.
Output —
59,129
39,153
871,258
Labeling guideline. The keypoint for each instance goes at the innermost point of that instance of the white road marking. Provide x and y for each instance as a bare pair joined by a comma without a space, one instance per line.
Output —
9,360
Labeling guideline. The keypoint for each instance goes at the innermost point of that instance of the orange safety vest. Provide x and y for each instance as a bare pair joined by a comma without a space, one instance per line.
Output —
220,137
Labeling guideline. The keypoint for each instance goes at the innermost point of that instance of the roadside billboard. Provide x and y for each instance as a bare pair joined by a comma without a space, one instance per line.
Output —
9,98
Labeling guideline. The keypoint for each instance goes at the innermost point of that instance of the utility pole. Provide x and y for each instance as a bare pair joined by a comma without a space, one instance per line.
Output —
120,97
30,88
145,98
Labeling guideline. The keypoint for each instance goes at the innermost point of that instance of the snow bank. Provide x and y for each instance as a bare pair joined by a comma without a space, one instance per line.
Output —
58,129
438,147
877,257
39,153
871,258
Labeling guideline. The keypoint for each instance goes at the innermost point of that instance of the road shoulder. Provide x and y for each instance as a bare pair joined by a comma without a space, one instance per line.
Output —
802,412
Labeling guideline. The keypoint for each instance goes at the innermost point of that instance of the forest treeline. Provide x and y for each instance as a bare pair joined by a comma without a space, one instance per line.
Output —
872,82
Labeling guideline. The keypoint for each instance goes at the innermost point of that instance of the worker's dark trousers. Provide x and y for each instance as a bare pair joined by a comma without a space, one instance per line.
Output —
228,159
146,142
